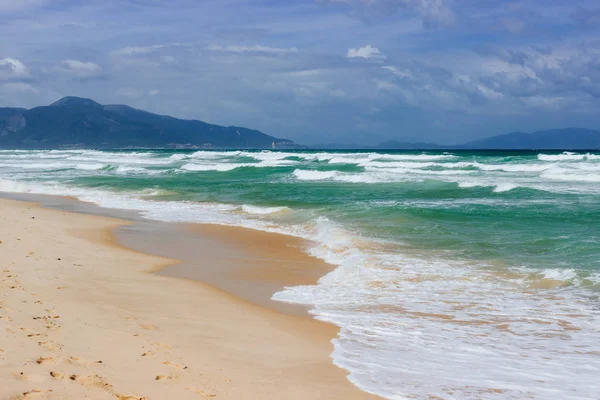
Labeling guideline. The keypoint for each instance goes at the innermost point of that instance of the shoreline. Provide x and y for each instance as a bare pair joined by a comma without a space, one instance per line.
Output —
250,264
157,337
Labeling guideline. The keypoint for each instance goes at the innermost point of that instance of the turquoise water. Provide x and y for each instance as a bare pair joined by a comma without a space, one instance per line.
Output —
460,275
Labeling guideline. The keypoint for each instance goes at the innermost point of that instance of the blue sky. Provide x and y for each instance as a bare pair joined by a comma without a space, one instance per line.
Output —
321,71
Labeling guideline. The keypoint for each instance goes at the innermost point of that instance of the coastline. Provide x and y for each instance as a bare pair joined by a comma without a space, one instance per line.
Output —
156,336
250,264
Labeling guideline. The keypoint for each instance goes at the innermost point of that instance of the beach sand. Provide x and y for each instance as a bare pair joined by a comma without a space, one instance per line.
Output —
82,317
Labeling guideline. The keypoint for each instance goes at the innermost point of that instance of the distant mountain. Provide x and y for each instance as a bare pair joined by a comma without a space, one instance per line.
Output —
74,122
338,146
555,139
396,145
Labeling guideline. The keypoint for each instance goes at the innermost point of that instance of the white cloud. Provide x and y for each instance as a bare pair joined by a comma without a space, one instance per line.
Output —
81,69
13,68
366,52
434,13
254,49
384,85
149,56
130,92
402,72
169,60
137,51
18,88
132,51
153,92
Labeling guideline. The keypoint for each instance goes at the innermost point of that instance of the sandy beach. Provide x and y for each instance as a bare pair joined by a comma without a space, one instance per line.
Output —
82,316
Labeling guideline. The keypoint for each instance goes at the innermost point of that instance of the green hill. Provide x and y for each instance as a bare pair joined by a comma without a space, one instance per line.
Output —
75,122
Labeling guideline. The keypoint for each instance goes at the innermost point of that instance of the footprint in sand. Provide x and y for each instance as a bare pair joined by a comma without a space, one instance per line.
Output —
50,345
20,376
91,381
81,361
45,360
31,333
31,377
201,392
56,375
51,325
32,394
174,365
161,345
88,381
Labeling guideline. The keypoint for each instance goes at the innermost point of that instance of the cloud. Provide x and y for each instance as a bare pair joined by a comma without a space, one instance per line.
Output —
18,88
130,92
303,69
433,13
366,52
12,68
424,85
80,69
585,16
149,56
515,57
513,24
253,49
12,6
169,60
135,51
401,72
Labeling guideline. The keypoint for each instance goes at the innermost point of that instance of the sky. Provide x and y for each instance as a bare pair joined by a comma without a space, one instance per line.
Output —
315,71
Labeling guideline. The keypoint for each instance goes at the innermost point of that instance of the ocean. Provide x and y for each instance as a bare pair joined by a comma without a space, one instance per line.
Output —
459,275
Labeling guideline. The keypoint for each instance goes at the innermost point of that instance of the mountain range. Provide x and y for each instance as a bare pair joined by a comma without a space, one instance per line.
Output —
554,139
74,122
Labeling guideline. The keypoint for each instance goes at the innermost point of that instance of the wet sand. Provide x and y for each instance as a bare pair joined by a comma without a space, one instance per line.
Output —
250,264
82,317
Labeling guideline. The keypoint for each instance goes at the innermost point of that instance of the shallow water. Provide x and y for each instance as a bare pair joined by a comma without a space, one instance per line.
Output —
461,275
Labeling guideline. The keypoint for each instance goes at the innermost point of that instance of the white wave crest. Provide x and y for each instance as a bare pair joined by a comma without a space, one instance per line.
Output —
312,175
570,175
128,169
211,167
567,156
505,187
178,157
90,167
263,210
559,274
